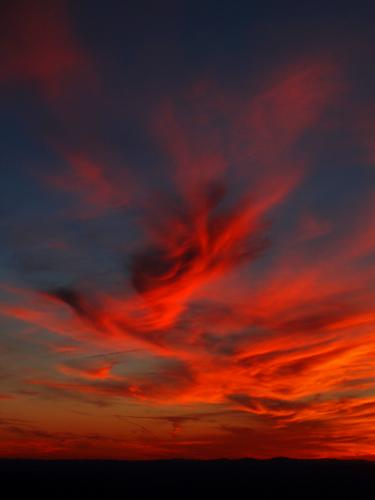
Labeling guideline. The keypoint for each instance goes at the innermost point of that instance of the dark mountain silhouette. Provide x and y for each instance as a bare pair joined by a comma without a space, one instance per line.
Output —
189,479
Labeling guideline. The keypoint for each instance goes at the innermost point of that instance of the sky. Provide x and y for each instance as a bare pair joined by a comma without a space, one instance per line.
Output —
187,249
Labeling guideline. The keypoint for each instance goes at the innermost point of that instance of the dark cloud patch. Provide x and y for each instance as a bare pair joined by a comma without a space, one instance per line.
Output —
210,236
271,406
225,345
76,301
177,421
269,356
306,363
316,320
169,380
53,390
155,266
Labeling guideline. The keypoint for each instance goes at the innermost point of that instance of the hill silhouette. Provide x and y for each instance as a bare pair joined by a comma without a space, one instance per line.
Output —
193,479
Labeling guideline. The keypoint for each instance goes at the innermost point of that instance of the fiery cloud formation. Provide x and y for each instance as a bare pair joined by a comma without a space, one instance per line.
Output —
187,270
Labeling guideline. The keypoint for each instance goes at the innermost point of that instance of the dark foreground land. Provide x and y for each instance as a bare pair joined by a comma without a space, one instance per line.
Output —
182,479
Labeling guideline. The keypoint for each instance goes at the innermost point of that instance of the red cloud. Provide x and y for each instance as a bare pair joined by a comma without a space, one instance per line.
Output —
287,347
96,187
39,46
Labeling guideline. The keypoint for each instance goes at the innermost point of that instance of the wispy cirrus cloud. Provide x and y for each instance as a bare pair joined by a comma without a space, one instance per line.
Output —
212,287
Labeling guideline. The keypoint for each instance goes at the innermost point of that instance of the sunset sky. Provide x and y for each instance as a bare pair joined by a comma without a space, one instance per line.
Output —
187,229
